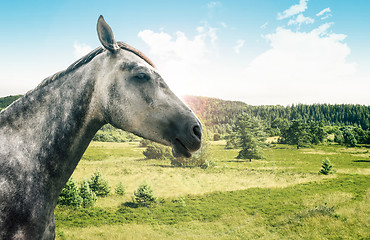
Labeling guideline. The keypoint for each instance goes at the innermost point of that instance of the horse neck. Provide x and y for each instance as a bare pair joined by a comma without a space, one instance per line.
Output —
55,123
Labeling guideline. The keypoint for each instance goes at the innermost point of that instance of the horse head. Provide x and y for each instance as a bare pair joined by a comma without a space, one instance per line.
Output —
133,96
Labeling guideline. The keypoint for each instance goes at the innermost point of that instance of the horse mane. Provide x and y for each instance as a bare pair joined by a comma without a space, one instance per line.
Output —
86,59
135,51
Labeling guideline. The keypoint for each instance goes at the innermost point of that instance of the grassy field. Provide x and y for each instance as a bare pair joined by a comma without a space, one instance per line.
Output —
280,197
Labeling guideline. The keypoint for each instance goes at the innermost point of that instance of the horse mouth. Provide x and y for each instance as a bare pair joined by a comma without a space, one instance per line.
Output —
179,149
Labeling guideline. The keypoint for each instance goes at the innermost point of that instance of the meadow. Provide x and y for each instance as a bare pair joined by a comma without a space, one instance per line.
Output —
279,197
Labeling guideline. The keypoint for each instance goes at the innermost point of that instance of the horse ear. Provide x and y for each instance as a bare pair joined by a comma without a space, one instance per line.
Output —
106,36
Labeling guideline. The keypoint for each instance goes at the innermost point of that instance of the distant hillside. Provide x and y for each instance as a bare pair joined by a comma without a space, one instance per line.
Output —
213,111
6,101
220,114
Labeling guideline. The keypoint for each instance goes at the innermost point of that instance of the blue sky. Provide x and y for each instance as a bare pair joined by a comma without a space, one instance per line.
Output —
259,52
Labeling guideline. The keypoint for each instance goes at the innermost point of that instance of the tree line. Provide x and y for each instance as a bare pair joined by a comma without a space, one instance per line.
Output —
219,115
6,101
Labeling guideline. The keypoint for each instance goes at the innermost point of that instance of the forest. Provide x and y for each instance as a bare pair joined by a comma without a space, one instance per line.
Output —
6,101
217,113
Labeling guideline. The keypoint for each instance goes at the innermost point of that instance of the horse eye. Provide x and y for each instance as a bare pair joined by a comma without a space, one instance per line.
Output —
142,77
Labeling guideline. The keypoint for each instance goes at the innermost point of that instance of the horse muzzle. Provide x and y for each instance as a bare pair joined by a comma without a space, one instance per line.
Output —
185,144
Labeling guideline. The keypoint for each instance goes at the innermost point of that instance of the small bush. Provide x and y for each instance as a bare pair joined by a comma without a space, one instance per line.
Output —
187,162
69,195
144,143
180,201
156,151
99,185
144,195
120,189
61,235
208,164
88,196
216,137
326,167
198,158
320,210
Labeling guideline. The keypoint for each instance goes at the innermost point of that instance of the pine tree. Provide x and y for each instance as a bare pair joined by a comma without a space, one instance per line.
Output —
249,135
88,196
99,185
349,138
144,195
317,132
120,189
326,167
338,137
298,134
70,195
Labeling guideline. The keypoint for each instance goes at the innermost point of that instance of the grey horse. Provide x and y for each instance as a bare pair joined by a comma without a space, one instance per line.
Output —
44,134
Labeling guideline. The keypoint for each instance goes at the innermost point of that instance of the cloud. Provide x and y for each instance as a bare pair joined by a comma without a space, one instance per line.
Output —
212,8
326,10
264,25
213,4
183,61
81,49
300,19
239,45
293,10
325,13
180,47
302,67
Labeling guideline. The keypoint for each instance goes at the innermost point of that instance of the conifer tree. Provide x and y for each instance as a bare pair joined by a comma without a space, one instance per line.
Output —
99,185
70,195
349,138
88,196
249,135
298,134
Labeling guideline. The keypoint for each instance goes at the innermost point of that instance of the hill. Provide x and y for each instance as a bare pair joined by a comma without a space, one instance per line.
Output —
219,114
6,101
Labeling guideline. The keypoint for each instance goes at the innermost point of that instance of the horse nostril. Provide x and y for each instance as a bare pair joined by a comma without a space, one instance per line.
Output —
197,132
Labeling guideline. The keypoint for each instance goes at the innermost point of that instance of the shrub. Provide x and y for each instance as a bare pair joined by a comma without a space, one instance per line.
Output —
120,189
99,185
108,133
208,164
198,158
144,143
187,162
326,167
338,137
88,196
216,137
157,151
349,138
321,210
144,195
69,195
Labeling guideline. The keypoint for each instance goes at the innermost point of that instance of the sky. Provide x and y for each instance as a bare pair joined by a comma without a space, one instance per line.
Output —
256,51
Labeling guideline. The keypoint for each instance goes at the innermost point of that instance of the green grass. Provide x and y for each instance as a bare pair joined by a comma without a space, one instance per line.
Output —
280,197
